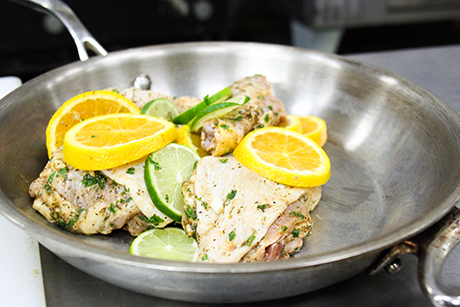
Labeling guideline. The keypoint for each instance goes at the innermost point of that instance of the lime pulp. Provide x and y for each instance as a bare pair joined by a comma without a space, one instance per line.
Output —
165,172
162,108
217,110
169,244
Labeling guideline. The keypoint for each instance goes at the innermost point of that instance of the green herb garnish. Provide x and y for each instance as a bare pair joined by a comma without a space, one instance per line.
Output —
231,235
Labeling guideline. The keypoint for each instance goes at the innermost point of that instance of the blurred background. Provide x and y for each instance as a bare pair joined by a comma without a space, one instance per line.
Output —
32,43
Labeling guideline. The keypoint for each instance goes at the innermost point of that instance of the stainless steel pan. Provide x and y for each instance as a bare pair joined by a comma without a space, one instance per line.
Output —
394,149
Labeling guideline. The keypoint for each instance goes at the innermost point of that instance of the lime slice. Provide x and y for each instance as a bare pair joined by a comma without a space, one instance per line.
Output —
217,110
160,107
188,115
165,172
169,244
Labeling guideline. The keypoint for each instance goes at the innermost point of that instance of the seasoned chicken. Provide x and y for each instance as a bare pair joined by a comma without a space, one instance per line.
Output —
185,102
89,202
141,97
131,175
237,215
221,135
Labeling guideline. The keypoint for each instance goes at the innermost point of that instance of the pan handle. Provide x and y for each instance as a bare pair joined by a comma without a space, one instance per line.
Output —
432,247
83,39
434,250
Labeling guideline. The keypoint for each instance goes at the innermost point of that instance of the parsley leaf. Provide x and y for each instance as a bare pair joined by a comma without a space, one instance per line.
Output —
231,235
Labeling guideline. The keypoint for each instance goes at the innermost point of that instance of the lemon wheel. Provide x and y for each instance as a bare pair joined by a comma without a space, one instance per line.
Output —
83,107
284,156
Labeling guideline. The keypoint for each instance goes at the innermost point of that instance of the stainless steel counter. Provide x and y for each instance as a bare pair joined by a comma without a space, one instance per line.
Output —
436,69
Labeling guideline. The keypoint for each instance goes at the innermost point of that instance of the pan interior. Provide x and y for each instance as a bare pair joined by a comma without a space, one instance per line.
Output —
393,146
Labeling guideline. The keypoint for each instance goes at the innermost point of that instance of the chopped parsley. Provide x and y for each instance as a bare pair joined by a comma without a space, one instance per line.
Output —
231,235
223,126
223,160
231,195
283,229
94,136
112,208
262,207
270,108
125,190
98,179
63,172
205,204
130,171
156,166
73,218
48,189
250,240
167,198
298,214
266,118
295,233
154,220
190,213
51,177
261,126
205,257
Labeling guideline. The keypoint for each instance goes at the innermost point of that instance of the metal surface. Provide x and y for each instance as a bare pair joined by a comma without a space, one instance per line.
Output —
391,144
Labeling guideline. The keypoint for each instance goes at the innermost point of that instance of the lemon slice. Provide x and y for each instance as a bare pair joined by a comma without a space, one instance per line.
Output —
83,107
284,156
191,140
169,244
315,128
108,141
293,123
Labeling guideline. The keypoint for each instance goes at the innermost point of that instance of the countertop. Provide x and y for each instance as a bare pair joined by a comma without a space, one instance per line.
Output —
436,69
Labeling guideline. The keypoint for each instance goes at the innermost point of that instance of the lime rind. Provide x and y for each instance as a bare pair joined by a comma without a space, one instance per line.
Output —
164,173
162,108
187,116
168,244
217,110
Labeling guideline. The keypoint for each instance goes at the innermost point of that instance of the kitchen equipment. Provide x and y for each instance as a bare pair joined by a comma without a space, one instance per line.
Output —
393,148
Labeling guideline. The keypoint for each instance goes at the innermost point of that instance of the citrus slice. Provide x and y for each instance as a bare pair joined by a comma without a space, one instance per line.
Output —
293,123
112,140
217,110
315,128
284,156
191,140
169,244
187,116
83,107
162,108
164,173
